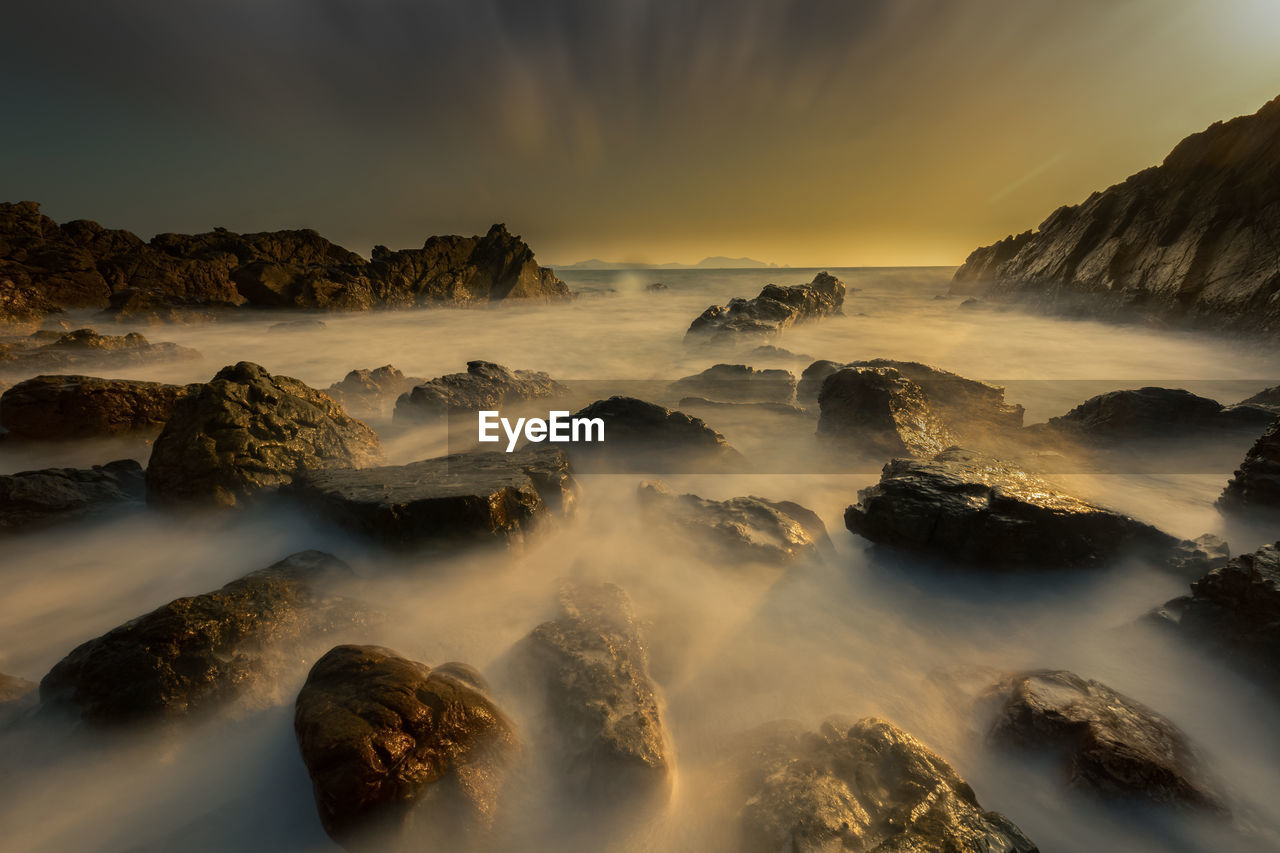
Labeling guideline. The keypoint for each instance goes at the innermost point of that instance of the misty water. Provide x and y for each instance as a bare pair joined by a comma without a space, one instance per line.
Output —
731,645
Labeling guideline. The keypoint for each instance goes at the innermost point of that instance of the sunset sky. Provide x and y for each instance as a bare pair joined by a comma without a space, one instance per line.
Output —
810,133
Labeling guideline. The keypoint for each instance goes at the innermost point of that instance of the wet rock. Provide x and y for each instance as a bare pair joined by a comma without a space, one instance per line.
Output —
604,707
401,755
1266,399
197,654
744,528
1154,413
877,411
970,508
50,408
861,786
371,391
32,500
1256,484
1194,557
775,309
1110,744
13,688
485,385
462,498
247,430
640,435
738,383
60,351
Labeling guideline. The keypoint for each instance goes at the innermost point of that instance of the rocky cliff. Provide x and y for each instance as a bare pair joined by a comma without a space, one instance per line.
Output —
45,267
1195,240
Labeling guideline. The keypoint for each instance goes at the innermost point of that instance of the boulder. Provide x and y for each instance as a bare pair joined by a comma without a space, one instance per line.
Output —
1109,744
860,786
485,385
876,411
640,435
371,391
56,407
197,654
462,498
31,500
247,430
401,755
1151,413
1256,484
970,508
744,528
60,351
773,310
738,383
605,712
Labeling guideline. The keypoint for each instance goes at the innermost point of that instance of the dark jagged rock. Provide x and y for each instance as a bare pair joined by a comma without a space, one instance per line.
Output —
640,435
49,408
1256,484
1110,744
45,267
969,508
197,654
604,707
1194,557
401,755
877,411
1266,399
1195,239
247,430
861,786
738,383
53,351
744,528
465,497
775,309
371,391
13,688
1152,413
31,500
485,385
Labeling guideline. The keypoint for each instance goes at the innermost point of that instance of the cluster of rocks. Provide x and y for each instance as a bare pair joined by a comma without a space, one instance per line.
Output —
773,310
47,351
738,383
485,385
368,392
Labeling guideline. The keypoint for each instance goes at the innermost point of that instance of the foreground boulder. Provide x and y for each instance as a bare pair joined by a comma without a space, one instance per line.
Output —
1154,413
462,498
485,385
50,408
775,309
738,383
1109,744
369,392
745,528
593,667
1256,484
864,786
640,435
876,411
43,352
970,508
401,754
247,430
194,655
31,500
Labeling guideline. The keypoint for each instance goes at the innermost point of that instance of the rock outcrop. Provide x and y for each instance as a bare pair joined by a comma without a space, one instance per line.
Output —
370,392
738,383
32,500
861,786
1195,239
485,385
645,436
876,411
402,755
1145,414
197,654
970,508
52,408
458,499
245,431
51,351
46,267
745,528
775,309
1256,484
1268,398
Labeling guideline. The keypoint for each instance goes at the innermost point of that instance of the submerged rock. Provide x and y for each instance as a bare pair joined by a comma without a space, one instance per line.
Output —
640,435
878,411
370,391
401,755
50,408
1256,484
485,385
1151,413
32,500
1110,744
605,709
738,383
970,508
775,309
194,655
465,497
50,352
864,786
743,528
247,430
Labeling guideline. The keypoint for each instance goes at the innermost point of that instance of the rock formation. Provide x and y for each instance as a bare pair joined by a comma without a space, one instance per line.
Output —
1154,413
1268,398
31,500
738,383
1195,239
1256,484
52,351
369,392
485,385
49,408
876,411
775,309
645,436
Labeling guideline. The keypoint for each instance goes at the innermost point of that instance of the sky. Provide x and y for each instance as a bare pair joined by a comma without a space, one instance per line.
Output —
856,133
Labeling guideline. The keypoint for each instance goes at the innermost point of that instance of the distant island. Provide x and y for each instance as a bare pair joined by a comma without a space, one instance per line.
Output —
719,262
